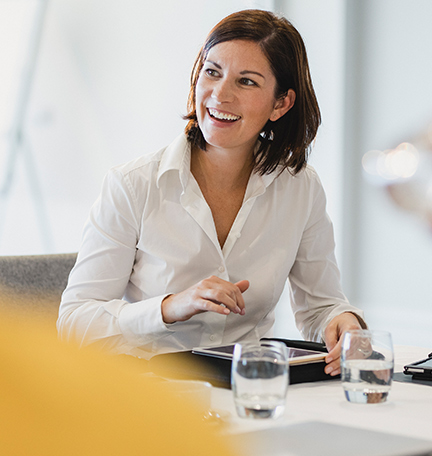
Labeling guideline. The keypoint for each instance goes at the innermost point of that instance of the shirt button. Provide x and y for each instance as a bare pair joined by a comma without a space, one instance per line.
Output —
238,235
212,337
221,269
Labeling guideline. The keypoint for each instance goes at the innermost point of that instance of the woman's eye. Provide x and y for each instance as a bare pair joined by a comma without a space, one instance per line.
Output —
211,72
247,82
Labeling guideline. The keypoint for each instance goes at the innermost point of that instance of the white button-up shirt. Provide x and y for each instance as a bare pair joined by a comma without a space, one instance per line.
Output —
151,233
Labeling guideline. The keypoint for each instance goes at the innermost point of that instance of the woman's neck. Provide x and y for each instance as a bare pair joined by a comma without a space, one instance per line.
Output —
221,169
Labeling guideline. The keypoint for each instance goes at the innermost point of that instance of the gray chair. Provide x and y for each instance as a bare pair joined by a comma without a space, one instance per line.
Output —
32,285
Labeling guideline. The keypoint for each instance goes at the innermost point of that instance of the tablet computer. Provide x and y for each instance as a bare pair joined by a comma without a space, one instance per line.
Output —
296,355
420,369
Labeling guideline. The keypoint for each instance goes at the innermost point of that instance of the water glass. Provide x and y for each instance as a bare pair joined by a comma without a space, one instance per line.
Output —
259,379
367,363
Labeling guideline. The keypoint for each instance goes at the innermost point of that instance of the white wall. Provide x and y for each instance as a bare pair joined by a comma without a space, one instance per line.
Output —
393,254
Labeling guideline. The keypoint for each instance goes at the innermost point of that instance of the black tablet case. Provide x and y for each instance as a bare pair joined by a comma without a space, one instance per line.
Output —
217,371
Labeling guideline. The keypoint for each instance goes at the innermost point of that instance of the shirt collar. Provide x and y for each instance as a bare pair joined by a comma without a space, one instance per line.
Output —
176,157
258,184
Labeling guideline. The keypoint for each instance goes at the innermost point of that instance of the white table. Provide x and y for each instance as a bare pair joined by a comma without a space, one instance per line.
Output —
407,412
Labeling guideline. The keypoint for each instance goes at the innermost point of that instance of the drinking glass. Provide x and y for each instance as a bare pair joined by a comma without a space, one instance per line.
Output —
367,363
259,379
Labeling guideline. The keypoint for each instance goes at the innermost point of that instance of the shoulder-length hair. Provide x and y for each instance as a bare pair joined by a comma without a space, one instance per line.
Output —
285,142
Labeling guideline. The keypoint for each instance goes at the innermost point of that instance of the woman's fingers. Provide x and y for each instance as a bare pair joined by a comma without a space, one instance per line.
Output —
333,336
208,306
210,295
225,293
333,360
242,286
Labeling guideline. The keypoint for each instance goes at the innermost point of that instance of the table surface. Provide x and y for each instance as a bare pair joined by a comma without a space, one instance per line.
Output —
407,412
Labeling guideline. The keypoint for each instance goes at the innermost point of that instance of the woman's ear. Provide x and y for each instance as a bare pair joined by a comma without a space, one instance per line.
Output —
283,105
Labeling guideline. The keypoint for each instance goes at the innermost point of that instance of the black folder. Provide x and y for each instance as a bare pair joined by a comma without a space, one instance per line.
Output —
217,371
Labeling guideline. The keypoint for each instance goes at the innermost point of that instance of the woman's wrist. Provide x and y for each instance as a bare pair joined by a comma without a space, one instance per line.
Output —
165,318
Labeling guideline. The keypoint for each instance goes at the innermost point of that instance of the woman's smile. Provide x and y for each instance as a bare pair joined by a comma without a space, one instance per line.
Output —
222,116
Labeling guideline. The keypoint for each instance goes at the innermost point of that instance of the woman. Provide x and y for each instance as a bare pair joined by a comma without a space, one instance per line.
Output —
192,246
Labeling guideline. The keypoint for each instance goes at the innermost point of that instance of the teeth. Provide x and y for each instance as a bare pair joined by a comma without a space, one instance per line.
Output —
222,116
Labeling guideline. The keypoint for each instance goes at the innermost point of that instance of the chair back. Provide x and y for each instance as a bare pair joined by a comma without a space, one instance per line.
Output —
32,285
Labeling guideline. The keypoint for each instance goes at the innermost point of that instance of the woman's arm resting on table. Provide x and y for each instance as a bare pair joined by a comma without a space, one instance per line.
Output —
333,337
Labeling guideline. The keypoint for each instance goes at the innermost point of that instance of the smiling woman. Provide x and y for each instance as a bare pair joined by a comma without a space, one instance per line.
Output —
235,96
272,43
192,246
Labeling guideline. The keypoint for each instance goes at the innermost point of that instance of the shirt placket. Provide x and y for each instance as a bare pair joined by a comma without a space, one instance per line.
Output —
195,204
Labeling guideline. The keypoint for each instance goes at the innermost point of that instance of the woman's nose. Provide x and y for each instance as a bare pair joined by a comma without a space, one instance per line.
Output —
223,91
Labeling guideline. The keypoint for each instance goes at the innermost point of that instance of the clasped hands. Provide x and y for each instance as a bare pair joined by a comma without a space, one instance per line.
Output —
220,296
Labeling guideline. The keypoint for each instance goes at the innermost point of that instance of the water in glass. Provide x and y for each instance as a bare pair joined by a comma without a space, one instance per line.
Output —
367,380
260,381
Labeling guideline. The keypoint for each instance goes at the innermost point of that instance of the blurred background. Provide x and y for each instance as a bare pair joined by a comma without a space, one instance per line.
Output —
88,84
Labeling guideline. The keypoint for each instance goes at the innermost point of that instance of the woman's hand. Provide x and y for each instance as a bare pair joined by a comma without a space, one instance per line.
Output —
333,337
210,295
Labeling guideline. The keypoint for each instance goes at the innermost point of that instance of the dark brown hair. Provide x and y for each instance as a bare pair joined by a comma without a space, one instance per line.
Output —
285,142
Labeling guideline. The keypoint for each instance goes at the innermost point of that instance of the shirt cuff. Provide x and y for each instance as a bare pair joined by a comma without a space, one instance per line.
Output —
141,322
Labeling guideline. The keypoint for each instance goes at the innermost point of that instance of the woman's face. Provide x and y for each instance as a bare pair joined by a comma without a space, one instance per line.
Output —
235,96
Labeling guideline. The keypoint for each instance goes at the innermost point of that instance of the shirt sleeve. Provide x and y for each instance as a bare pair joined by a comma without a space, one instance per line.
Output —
316,292
92,309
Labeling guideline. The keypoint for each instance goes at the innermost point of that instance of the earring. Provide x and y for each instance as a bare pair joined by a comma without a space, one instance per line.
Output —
267,135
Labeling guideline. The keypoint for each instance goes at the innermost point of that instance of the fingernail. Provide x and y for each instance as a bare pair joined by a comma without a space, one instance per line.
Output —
329,359
238,310
328,370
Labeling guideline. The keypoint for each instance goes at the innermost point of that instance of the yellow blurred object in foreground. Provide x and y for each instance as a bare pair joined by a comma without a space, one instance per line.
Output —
58,400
